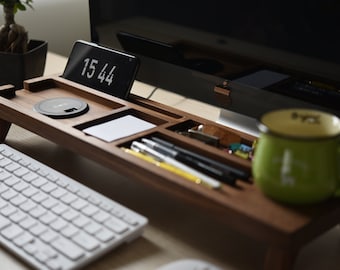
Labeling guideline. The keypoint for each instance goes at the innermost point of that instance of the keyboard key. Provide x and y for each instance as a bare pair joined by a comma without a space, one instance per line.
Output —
23,239
105,206
58,224
50,252
30,248
38,229
90,210
4,175
18,199
58,192
4,222
5,162
54,264
94,200
27,206
59,208
12,231
8,210
48,187
86,241
93,227
11,181
72,188
6,152
30,191
28,223
29,177
41,256
20,172
70,214
49,236
68,248
52,177
101,216
81,221
49,203
3,203
61,183
48,218
69,231
130,220
3,188
20,186
79,204
42,172
116,225
17,216
11,167
24,162
104,235
37,211
38,182
68,198
9,194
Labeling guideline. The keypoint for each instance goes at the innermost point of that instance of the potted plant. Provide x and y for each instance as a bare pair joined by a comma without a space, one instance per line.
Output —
20,58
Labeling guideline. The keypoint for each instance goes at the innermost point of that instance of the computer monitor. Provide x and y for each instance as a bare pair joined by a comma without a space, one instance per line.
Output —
273,54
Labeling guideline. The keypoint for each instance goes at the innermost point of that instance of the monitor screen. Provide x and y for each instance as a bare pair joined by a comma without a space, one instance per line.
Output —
284,50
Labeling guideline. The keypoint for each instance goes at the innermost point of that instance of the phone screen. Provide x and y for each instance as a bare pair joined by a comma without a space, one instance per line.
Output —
102,68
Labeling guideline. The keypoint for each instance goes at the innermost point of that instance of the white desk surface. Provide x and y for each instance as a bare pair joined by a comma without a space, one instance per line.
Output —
175,230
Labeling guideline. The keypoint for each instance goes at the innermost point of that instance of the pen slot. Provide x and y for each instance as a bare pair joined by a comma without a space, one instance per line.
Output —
157,145
189,129
121,125
222,139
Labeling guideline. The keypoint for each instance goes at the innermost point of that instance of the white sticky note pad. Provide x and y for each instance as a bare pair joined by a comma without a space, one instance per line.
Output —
118,128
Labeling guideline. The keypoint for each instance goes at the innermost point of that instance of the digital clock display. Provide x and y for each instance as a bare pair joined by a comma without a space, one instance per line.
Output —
101,68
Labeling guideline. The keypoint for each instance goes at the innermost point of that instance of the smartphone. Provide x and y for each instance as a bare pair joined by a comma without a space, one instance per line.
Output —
150,48
102,68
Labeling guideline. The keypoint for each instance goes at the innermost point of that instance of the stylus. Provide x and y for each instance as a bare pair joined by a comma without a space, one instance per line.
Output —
163,165
223,176
206,180
213,163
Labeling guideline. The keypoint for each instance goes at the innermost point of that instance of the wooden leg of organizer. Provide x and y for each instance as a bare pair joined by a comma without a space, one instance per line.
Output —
279,259
4,128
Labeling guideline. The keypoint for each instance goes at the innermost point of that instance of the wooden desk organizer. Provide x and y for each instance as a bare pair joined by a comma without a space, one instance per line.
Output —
283,228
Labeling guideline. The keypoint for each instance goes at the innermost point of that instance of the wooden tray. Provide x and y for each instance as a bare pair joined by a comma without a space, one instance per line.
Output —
284,228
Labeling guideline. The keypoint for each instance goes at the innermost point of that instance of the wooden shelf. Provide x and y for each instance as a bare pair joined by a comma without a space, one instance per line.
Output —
285,229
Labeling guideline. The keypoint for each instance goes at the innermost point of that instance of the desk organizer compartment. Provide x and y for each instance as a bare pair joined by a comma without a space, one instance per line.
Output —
49,88
117,126
201,158
138,114
37,90
218,137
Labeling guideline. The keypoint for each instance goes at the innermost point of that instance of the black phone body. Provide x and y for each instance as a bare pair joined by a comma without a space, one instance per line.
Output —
102,68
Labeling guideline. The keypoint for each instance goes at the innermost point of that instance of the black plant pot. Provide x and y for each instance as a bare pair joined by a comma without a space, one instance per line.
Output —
17,67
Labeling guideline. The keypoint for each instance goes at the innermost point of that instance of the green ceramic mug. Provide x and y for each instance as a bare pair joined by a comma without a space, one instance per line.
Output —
297,157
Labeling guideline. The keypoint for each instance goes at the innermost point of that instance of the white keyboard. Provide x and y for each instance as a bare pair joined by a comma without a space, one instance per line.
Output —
53,222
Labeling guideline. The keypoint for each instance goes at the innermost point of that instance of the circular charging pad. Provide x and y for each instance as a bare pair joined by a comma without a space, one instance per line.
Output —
62,107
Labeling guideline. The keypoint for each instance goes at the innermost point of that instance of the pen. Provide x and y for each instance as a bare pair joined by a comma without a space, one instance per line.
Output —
206,180
213,163
163,165
223,176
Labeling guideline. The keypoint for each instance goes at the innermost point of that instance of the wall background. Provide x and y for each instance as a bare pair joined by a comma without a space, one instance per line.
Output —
59,22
